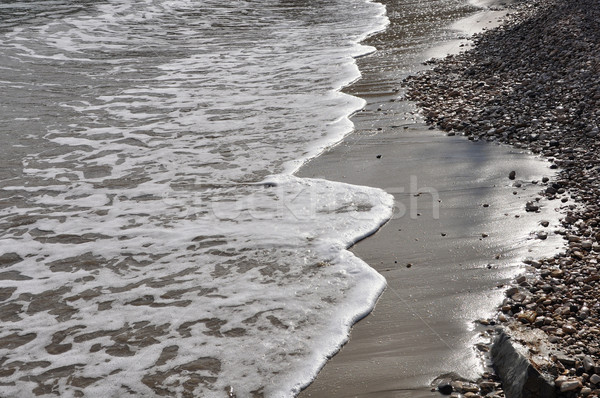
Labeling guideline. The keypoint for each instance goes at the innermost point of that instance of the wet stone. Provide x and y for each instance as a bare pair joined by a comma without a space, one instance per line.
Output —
531,207
568,362
588,364
570,385
445,387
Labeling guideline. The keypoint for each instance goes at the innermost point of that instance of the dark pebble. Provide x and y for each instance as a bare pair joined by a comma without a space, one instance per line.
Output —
445,387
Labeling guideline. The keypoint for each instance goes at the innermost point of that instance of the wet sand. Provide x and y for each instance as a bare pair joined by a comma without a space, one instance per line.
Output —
423,325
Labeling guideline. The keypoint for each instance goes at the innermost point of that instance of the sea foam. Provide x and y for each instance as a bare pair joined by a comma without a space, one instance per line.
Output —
155,239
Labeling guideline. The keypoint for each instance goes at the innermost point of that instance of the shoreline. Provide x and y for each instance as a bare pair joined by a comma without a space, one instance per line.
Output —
384,152
548,103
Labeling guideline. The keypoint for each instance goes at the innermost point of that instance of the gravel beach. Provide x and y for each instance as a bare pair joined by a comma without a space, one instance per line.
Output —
534,83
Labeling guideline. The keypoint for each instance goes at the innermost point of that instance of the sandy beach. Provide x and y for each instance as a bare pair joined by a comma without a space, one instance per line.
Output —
459,236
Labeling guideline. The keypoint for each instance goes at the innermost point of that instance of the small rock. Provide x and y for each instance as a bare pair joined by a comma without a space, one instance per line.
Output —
527,316
588,364
542,235
445,387
570,385
557,273
518,297
569,329
595,379
544,223
566,361
456,385
487,386
531,207
554,339
512,175
560,379
586,244
482,347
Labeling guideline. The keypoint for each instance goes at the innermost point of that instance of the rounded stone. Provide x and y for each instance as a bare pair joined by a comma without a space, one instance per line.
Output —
445,387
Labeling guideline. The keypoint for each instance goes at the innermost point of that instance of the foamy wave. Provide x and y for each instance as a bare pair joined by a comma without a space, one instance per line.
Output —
154,240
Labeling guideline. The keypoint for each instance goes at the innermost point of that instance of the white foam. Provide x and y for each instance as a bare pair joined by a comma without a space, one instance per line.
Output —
166,195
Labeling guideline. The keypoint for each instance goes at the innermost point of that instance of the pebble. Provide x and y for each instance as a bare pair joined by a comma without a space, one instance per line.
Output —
531,207
569,329
570,385
588,364
595,379
586,244
445,387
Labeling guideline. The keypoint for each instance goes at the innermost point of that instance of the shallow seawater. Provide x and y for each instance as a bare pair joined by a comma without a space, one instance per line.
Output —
153,238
